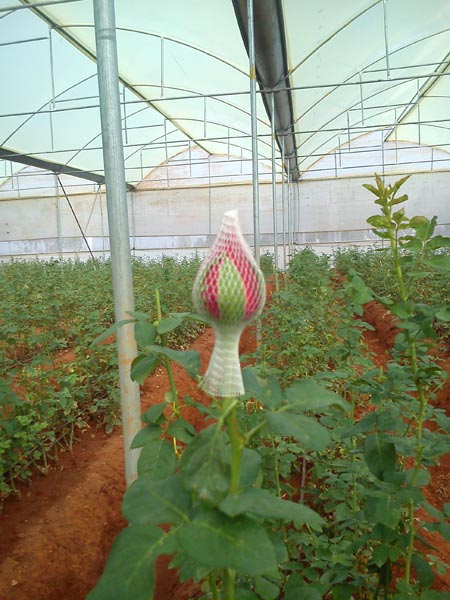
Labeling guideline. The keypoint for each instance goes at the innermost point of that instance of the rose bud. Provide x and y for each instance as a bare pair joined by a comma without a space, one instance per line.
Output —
229,291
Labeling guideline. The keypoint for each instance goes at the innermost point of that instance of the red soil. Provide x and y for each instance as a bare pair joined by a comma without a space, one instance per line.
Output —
55,538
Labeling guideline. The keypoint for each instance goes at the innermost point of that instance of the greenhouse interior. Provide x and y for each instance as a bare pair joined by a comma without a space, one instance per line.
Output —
169,174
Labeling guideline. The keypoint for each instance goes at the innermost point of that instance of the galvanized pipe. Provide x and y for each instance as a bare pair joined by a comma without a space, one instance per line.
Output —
108,80
283,205
254,125
274,185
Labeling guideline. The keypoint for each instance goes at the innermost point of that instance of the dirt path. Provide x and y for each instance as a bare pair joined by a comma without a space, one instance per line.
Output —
55,539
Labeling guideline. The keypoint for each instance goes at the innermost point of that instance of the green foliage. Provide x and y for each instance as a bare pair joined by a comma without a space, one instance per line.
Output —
52,313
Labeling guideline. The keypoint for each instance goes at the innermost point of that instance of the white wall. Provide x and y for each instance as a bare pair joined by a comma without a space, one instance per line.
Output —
328,213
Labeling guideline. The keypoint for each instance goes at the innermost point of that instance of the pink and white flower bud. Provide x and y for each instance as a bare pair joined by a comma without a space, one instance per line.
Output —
230,291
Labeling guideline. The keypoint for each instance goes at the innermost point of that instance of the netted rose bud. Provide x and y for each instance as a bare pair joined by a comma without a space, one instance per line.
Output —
229,290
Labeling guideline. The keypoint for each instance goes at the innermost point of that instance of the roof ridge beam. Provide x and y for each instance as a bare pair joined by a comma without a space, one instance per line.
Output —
272,70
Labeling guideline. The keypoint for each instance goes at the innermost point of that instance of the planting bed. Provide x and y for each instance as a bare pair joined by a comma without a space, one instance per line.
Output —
55,538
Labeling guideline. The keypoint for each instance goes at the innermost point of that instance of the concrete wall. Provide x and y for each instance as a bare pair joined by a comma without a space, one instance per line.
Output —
323,214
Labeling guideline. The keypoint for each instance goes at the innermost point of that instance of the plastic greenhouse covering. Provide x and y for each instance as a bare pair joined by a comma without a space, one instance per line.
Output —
351,67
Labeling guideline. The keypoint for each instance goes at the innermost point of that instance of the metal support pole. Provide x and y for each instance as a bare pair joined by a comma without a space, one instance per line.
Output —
386,43
102,224
210,236
396,136
251,54
52,75
113,156
289,211
274,185
58,216
361,98
283,205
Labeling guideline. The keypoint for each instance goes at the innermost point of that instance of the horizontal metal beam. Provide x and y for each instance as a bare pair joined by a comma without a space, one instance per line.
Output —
272,70
54,167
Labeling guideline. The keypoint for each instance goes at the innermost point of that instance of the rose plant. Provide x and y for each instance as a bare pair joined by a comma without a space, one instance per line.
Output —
203,496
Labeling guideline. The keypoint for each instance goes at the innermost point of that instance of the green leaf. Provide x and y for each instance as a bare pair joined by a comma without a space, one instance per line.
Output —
418,221
267,391
146,435
153,414
380,555
307,431
398,200
438,241
145,334
443,314
129,572
266,589
181,430
432,595
214,540
297,588
188,359
139,316
423,570
169,324
250,467
156,502
397,185
385,510
157,459
372,189
114,327
262,503
143,366
444,530
309,395
244,594
205,465
380,456
378,221
343,591
441,262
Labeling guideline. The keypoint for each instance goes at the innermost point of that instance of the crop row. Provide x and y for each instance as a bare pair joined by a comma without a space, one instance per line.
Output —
54,381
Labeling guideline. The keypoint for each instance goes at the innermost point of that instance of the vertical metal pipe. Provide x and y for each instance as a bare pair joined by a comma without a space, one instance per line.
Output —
254,124
274,184
396,136
361,99
289,209
133,220
418,113
348,131
190,159
162,67
102,224
141,165
125,115
52,76
58,216
283,205
204,117
113,156
386,44
210,237
432,158
167,153
382,154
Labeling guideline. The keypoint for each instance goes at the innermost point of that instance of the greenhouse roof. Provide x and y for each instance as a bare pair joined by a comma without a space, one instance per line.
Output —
337,70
